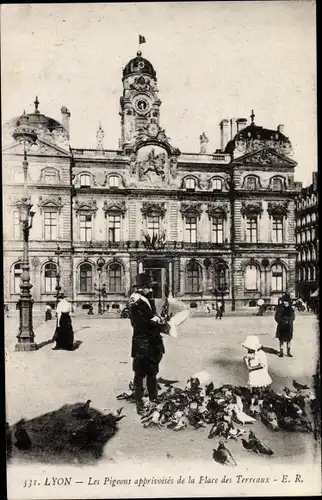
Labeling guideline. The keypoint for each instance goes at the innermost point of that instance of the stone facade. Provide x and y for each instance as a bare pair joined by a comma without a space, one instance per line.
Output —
307,239
204,225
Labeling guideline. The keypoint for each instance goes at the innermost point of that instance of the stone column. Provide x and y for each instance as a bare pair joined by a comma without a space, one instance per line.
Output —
170,280
141,270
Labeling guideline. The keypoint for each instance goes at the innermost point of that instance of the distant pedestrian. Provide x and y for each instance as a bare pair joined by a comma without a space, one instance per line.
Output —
6,310
261,307
284,317
48,312
90,310
64,335
207,307
219,310
256,363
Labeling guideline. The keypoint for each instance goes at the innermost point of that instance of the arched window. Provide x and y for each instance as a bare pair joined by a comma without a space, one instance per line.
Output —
50,273
85,180
115,278
313,217
277,184
251,183
17,271
251,277
217,185
114,181
221,278
190,183
278,278
193,278
86,278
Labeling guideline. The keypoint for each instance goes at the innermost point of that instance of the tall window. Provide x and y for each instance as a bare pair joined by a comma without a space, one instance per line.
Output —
50,176
114,181
251,277
277,229
50,277
251,230
251,183
17,231
278,278
193,278
153,225
191,229
85,180
115,277
277,184
50,225
190,184
17,271
217,185
221,281
85,227
86,278
217,230
114,227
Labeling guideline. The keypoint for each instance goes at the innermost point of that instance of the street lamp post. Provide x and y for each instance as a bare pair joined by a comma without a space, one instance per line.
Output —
99,288
58,287
25,134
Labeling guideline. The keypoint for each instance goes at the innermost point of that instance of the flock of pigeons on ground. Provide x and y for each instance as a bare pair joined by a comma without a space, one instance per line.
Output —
227,410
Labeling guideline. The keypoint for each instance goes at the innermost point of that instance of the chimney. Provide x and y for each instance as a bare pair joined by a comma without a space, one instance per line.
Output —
241,123
280,128
233,129
224,137
65,116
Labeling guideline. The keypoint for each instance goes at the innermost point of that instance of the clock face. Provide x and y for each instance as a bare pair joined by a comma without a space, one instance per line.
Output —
142,105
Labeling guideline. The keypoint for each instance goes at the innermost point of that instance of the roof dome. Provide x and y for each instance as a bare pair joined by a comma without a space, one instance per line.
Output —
46,127
254,136
139,65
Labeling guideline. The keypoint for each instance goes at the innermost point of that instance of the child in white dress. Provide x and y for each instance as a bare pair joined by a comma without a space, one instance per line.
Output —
256,363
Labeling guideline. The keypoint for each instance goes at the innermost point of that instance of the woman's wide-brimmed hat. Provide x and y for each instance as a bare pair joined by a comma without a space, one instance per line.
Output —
252,342
143,280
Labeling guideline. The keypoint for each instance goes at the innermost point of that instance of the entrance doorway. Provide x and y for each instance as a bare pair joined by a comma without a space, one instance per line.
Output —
157,271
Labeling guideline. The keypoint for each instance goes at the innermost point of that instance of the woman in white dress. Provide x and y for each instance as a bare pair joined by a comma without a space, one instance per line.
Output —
256,363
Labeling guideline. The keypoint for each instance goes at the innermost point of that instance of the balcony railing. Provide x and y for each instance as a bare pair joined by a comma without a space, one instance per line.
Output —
155,246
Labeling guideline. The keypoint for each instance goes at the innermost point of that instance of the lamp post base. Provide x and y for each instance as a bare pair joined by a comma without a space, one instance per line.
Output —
26,347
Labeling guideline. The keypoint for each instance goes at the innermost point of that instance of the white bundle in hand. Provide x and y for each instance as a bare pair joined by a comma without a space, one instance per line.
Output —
179,314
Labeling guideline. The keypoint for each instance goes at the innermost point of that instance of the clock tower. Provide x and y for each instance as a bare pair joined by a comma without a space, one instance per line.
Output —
140,103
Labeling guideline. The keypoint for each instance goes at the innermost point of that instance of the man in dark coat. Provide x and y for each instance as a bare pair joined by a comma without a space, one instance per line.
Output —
284,317
147,343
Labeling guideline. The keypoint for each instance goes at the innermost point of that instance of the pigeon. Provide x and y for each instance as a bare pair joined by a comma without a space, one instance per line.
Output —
298,386
242,418
82,411
23,441
209,388
269,418
8,440
234,433
258,446
223,456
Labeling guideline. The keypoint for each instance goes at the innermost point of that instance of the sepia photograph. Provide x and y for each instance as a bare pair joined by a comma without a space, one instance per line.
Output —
160,249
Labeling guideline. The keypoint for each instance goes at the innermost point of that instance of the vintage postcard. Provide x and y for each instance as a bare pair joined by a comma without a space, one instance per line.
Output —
160,249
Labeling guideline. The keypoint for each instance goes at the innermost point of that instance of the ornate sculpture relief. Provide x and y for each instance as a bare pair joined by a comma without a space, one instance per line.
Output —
191,209
249,209
154,163
263,157
117,206
277,208
85,206
50,202
217,210
150,208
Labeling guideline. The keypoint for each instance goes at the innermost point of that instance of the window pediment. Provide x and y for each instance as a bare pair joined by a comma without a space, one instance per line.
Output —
277,208
249,209
217,210
53,202
157,208
114,207
89,206
191,209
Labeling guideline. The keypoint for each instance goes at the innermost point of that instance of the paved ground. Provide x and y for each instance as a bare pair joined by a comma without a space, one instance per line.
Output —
100,368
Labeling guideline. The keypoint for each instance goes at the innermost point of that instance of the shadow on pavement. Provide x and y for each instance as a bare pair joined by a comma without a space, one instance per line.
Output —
270,350
62,437
43,344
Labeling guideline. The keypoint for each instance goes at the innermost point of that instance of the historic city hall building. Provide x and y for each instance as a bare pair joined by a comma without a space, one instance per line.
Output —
203,224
